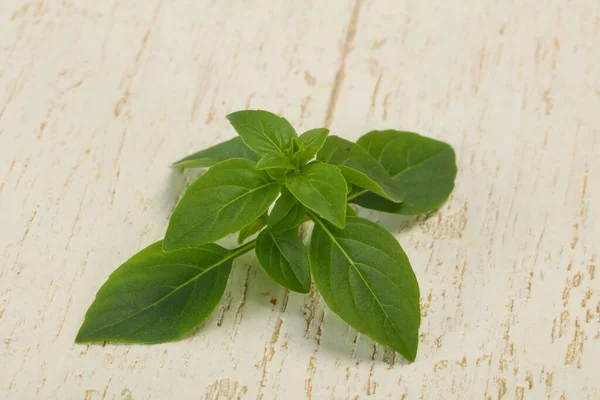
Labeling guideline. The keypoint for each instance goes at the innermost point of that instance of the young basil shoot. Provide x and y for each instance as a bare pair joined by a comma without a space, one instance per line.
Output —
166,290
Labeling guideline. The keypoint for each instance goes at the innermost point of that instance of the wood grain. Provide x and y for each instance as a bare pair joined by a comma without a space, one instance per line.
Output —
98,98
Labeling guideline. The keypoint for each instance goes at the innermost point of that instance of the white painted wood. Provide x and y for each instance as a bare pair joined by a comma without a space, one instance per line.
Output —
96,100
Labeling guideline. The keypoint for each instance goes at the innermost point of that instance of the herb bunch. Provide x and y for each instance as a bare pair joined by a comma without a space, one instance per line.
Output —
166,290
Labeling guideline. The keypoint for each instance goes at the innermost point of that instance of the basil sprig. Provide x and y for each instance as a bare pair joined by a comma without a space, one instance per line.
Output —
267,182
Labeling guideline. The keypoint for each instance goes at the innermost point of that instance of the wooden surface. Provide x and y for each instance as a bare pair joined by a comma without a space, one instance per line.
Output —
98,97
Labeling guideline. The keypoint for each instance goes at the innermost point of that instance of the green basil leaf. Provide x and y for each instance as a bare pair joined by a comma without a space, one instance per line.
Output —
350,211
359,168
224,200
253,227
273,161
426,169
310,143
287,213
277,174
284,258
263,131
321,188
364,276
156,297
232,148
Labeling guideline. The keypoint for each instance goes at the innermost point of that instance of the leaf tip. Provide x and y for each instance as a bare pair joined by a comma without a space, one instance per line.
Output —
232,115
411,355
341,222
82,337
409,351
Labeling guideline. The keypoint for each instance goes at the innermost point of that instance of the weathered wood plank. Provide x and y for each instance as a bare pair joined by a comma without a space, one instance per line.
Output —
97,99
